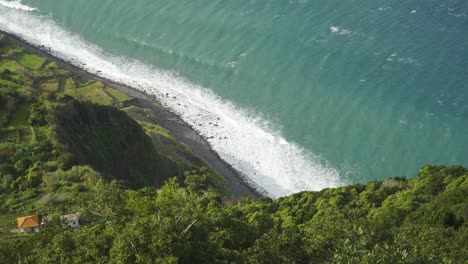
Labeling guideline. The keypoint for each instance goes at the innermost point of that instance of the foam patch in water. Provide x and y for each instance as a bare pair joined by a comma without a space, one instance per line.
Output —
16,5
340,31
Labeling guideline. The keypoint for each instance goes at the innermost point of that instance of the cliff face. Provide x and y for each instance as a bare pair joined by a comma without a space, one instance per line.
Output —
111,142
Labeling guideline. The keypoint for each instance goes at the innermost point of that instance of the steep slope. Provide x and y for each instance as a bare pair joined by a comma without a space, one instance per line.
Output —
111,142
422,220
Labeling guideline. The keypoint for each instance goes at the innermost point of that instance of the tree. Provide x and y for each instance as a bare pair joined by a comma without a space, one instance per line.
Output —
37,114
277,247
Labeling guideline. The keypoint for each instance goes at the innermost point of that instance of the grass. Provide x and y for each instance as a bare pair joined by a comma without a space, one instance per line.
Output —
18,126
50,68
82,82
20,118
33,135
165,143
31,61
69,84
9,134
50,65
161,138
7,222
14,67
10,47
93,93
7,86
8,65
156,129
49,86
179,152
118,95
218,182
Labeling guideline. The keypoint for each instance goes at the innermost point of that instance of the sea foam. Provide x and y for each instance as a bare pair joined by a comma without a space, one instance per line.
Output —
16,5
249,142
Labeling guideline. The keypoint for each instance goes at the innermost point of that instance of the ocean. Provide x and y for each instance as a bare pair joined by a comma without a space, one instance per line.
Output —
297,95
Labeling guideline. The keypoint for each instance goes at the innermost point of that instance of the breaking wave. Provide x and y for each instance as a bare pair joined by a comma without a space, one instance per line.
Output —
250,143
16,5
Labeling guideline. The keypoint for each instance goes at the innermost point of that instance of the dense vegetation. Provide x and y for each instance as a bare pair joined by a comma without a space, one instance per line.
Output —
59,154
111,142
60,132
397,220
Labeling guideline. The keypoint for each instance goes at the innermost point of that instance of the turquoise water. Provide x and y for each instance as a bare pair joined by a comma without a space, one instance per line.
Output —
349,91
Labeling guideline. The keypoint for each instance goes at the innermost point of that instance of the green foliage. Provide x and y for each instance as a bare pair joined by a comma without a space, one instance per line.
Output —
190,225
20,118
8,105
30,60
80,174
111,142
85,157
37,114
34,175
195,182
7,176
105,200
9,252
279,247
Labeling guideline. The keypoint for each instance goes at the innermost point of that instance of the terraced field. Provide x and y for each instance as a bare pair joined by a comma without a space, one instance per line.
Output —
26,74
27,79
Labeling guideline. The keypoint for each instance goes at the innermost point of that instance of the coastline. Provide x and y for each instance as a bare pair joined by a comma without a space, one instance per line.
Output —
236,183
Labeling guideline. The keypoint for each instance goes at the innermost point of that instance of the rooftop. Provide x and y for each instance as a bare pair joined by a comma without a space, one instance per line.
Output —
28,221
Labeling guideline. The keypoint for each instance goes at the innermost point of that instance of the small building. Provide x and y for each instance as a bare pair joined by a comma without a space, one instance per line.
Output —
70,220
44,221
28,224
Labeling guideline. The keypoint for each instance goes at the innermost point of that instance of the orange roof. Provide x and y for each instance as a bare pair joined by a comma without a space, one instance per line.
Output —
28,221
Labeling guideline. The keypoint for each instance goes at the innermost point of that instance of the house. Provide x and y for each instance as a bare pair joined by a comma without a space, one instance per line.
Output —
70,220
28,224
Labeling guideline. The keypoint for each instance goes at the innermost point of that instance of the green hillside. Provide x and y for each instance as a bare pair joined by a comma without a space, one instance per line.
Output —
112,143
61,133
423,220
69,144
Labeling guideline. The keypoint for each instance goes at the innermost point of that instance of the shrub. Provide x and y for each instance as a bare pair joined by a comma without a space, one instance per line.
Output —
37,114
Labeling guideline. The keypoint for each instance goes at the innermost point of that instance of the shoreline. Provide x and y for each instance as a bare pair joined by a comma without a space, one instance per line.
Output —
236,183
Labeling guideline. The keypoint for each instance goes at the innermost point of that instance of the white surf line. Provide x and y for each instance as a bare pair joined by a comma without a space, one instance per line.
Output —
251,144
16,5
